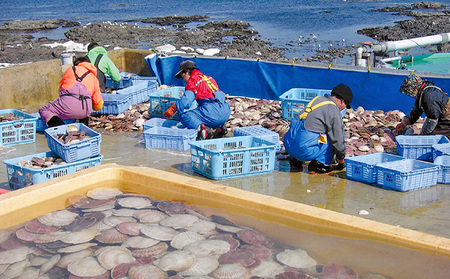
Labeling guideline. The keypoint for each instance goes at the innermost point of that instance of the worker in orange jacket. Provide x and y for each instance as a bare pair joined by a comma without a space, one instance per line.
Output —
79,94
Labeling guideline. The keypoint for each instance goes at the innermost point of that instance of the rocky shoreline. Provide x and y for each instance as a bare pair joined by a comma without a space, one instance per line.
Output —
233,38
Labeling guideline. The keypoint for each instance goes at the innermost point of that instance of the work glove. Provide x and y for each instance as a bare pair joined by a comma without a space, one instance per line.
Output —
170,111
401,126
340,166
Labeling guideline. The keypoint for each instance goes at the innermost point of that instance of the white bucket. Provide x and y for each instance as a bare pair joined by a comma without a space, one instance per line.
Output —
67,58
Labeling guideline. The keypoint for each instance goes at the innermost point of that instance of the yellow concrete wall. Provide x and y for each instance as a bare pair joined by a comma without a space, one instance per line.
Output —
30,86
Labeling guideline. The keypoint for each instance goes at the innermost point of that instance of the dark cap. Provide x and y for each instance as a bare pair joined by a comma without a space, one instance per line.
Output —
343,92
185,65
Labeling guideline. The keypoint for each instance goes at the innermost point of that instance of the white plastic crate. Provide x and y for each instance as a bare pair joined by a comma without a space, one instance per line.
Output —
232,157
169,138
260,132
20,177
139,93
161,122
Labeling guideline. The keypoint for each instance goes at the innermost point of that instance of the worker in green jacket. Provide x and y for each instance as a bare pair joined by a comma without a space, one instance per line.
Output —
99,57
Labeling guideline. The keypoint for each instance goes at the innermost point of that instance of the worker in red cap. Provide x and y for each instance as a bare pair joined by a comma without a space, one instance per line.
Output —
317,135
212,111
432,101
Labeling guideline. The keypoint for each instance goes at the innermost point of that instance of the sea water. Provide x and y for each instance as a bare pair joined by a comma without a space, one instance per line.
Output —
284,23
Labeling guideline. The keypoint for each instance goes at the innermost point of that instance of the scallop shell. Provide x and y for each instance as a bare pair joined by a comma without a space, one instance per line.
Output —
202,266
135,202
267,269
3,267
25,235
296,258
150,216
145,272
179,221
150,251
58,218
231,271
72,257
110,204
202,227
85,221
124,212
37,261
76,248
111,236
177,260
208,247
225,228
253,237
113,221
159,232
112,256
4,235
103,193
80,237
51,237
86,267
15,255
50,263
34,226
234,243
171,207
72,128
15,269
121,270
87,203
139,242
244,257
130,228
185,238
29,273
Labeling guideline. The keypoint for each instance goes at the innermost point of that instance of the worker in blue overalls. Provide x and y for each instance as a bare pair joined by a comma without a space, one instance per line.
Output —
212,111
318,133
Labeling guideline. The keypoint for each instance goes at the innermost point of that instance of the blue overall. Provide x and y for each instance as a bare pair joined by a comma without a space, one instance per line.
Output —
304,145
213,112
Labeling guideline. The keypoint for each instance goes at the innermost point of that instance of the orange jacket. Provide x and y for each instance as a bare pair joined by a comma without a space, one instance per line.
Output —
90,81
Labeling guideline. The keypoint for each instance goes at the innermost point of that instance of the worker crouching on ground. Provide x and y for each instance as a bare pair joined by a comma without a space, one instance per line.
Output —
79,93
212,111
318,133
432,101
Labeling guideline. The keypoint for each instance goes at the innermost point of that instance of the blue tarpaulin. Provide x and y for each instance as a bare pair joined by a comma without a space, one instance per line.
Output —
373,90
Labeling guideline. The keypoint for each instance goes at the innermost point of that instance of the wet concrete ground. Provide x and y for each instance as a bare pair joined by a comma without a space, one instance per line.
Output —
423,210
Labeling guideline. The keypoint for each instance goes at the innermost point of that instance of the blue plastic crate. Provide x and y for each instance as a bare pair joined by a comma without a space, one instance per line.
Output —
17,131
440,149
139,93
260,132
135,79
444,172
77,151
168,138
41,125
20,177
295,100
160,122
124,82
362,167
406,175
113,104
232,157
418,147
163,99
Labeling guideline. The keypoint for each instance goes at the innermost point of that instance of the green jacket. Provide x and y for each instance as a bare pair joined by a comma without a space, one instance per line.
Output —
105,65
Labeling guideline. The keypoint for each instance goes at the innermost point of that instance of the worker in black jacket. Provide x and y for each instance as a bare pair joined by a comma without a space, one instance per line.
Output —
432,101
